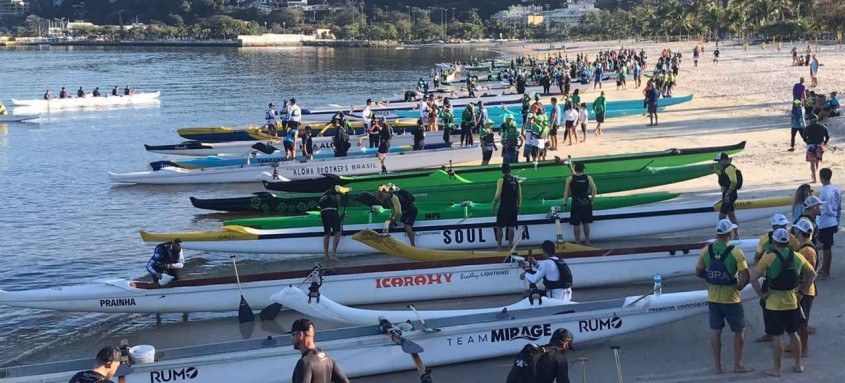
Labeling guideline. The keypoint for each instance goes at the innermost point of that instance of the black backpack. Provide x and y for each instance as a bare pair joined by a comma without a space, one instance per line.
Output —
788,278
739,180
565,273
525,366
405,195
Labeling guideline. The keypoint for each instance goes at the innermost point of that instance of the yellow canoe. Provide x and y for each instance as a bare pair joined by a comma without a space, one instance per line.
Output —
229,233
757,203
390,246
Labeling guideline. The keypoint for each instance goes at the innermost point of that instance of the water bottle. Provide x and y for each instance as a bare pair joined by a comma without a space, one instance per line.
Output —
658,285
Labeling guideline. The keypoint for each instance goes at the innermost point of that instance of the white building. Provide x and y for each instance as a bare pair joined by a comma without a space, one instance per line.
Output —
534,15
571,14
13,7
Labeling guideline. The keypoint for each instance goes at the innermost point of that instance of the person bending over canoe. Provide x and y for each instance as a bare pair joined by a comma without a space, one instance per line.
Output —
543,364
290,142
730,181
509,200
329,204
583,190
402,204
315,366
106,367
553,272
726,271
167,259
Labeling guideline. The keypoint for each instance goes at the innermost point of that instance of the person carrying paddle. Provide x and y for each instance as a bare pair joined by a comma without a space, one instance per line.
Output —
402,204
543,364
106,367
730,180
328,205
508,198
788,278
315,366
552,271
167,259
582,189
725,269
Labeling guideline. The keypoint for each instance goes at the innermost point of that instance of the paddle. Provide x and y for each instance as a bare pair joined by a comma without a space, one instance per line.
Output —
245,313
425,326
518,235
408,347
645,295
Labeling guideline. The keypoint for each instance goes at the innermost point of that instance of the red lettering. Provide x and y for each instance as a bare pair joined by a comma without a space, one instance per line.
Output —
448,277
396,282
414,280
434,279
419,280
409,281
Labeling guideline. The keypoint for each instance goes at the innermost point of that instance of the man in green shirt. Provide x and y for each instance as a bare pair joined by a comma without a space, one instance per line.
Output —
599,107
511,140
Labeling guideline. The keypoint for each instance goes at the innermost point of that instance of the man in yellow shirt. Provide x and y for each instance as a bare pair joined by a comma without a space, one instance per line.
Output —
765,245
729,182
726,271
785,270
808,250
812,209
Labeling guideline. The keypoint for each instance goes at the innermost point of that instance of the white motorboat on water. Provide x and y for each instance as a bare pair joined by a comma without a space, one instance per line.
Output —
367,350
300,170
360,285
88,101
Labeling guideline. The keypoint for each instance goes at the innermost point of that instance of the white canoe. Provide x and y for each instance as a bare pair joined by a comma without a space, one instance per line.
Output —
200,149
89,101
408,282
301,170
489,100
4,118
475,233
363,351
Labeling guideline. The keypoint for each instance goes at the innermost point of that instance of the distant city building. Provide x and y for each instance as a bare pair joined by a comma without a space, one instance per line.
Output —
527,15
14,7
297,3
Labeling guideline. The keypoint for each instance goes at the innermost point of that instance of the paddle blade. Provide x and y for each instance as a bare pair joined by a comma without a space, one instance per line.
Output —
270,312
245,312
246,329
409,347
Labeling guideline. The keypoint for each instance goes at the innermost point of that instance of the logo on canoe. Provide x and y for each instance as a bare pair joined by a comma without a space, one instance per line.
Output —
530,333
414,280
174,375
591,325
120,302
472,235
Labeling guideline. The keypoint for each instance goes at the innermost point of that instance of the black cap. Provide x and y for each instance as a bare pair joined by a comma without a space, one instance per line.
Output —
549,247
108,354
563,335
301,324
293,101
579,166
722,156
506,168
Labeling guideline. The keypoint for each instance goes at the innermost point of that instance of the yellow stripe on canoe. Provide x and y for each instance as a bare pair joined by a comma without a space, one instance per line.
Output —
758,203
390,246
229,233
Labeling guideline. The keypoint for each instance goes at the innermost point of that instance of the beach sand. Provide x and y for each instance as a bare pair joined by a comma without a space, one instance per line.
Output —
745,97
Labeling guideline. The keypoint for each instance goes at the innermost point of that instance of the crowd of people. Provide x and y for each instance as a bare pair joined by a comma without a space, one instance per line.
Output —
809,111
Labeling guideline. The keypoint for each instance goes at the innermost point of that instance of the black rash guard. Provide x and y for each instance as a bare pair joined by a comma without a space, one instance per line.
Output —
316,366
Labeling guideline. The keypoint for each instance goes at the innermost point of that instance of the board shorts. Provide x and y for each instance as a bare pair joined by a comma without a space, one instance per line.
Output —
815,153
569,124
652,107
289,146
581,214
409,216
726,312
826,236
384,146
486,155
553,130
600,117
778,322
331,221
506,217
806,305
728,207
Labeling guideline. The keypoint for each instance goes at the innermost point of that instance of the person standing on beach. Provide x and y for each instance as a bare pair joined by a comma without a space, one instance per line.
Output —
506,204
797,125
716,55
695,56
315,366
583,117
511,140
725,269
652,96
814,71
467,122
799,91
808,250
788,278
583,190
599,108
729,182
828,220
570,118
556,121
816,137
487,140
106,367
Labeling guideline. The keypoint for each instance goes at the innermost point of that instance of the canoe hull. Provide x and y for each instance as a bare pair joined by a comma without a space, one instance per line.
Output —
88,101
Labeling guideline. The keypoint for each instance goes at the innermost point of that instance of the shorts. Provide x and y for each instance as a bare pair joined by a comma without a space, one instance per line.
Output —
535,151
510,155
506,217
289,146
384,147
293,124
728,207
409,217
806,305
553,130
569,124
652,107
826,236
580,214
331,221
814,153
778,322
486,155
600,117
726,312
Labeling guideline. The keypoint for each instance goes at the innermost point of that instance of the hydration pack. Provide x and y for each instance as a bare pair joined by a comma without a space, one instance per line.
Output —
717,273
565,279
787,279
525,365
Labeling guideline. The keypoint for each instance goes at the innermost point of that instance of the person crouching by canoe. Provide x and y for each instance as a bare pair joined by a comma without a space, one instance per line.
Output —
553,272
385,135
509,200
315,366
511,140
543,364
340,141
725,269
106,367
401,202
329,204
582,189
488,142
167,259
729,181
788,278
290,142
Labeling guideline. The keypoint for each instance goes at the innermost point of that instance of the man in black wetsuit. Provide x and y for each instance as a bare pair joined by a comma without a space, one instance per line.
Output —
315,366
582,189
106,367
509,199
329,205
547,364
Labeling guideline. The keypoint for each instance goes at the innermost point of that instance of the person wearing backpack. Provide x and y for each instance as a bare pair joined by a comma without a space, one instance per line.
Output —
583,190
402,204
785,272
553,272
341,136
730,180
808,250
812,209
511,140
765,243
105,368
725,269
543,364
508,199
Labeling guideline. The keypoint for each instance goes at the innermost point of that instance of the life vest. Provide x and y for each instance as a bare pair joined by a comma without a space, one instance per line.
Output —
165,251
782,275
717,272
329,200
565,276
510,191
725,181
579,187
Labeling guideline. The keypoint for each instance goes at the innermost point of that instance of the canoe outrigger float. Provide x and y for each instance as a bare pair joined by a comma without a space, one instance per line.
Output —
477,232
366,350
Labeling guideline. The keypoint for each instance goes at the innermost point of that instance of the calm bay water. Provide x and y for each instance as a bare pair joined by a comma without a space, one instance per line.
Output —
62,221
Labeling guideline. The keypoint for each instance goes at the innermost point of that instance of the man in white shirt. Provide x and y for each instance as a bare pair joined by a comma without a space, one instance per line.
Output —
367,114
270,119
549,272
295,115
828,220
284,114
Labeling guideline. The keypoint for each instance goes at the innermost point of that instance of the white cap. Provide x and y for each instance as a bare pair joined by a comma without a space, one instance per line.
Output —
779,220
780,236
804,226
725,226
812,201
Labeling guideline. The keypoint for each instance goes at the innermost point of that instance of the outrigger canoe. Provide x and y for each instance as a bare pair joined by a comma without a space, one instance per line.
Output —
477,233
259,133
89,101
604,164
367,351
456,190
299,170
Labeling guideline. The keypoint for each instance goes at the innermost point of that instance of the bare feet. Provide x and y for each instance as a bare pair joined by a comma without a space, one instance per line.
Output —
798,368
764,338
774,373
742,369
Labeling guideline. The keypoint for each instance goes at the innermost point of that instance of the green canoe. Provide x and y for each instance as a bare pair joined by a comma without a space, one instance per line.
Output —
488,173
356,215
